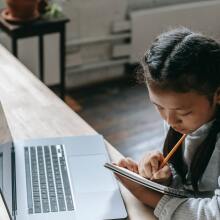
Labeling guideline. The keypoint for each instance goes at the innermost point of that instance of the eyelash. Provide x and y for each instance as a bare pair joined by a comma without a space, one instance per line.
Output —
158,107
186,114
161,109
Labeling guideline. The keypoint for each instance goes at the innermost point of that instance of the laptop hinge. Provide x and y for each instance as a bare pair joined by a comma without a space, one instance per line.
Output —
13,173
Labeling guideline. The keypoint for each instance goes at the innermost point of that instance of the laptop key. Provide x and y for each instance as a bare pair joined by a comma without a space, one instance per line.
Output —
48,186
50,180
66,183
58,181
35,187
42,177
28,180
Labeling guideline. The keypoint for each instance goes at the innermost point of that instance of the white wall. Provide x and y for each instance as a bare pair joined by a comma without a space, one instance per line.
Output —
147,24
91,55
89,19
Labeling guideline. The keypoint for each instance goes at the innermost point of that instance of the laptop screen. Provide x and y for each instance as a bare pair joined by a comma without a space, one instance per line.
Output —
5,163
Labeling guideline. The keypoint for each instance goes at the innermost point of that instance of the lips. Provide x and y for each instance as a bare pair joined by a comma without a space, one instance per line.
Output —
180,130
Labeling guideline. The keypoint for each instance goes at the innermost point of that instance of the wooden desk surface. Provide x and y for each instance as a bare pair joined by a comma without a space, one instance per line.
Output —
33,111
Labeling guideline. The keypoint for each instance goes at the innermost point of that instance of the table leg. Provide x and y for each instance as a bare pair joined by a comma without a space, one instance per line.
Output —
41,57
14,47
62,62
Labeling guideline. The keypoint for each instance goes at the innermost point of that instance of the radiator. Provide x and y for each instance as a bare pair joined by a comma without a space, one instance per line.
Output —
147,24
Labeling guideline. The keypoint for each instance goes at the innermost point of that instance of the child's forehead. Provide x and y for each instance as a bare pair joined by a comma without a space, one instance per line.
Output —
175,100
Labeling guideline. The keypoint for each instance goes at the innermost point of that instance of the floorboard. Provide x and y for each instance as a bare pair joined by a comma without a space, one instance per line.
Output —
122,113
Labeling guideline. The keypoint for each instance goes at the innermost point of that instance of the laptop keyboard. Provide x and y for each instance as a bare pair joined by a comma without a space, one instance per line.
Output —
48,185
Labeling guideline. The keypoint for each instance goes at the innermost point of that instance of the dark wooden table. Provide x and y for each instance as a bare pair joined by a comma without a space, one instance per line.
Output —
40,27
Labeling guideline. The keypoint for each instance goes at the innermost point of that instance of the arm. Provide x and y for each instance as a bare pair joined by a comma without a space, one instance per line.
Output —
170,208
147,196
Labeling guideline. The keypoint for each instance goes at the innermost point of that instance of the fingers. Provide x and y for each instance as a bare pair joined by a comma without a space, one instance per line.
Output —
145,169
149,164
154,162
129,164
148,167
163,174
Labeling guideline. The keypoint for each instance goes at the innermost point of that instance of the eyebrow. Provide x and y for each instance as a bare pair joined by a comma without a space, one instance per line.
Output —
179,108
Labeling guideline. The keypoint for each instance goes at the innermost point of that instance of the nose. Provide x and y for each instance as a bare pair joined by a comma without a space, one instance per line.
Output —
172,118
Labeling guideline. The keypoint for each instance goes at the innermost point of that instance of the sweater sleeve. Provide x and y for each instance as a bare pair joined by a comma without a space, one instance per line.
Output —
171,208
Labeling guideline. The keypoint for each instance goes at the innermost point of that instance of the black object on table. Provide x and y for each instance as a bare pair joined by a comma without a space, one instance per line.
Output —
40,27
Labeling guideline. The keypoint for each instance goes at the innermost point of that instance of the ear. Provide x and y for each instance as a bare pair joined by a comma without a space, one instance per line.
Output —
217,95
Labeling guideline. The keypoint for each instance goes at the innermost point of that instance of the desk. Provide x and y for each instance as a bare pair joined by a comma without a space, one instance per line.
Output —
26,100
39,28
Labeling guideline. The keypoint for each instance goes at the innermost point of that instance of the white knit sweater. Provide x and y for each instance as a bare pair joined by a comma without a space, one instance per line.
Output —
171,208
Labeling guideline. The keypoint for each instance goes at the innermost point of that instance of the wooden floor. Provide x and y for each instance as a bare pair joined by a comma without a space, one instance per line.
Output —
121,112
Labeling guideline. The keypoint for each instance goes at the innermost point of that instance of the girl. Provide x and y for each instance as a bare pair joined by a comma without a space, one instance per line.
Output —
182,74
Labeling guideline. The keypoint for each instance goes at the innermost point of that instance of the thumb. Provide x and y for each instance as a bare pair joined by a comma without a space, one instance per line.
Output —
162,173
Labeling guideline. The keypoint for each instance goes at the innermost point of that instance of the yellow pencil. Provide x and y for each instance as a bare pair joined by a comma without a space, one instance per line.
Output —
170,154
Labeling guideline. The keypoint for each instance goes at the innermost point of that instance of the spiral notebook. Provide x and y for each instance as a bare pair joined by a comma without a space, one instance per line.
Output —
146,182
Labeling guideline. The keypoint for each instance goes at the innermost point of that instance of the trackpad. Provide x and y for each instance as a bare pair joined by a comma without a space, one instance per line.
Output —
89,175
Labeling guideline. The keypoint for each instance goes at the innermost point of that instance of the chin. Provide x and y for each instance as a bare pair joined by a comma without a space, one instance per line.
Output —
182,130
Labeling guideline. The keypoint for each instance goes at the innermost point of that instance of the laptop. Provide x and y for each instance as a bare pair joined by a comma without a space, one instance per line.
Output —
57,178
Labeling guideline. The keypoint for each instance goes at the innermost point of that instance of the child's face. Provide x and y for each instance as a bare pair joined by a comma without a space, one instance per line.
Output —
184,112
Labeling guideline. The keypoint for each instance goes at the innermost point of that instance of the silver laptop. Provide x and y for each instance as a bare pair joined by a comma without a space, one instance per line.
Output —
57,178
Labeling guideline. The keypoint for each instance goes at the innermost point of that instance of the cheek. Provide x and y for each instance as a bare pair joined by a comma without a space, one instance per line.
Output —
196,121
189,123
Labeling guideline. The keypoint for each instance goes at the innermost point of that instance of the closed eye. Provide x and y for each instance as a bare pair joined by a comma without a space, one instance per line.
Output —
185,114
158,106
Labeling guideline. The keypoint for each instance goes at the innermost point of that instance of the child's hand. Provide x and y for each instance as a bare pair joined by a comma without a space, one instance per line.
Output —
129,164
147,196
149,167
